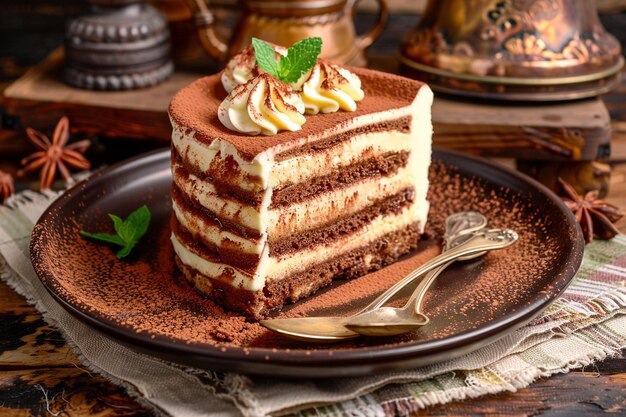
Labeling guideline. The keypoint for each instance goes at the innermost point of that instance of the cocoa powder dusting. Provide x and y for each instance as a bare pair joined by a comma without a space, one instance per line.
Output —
147,295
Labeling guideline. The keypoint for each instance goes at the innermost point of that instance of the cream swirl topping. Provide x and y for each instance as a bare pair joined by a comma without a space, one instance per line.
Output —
242,67
329,88
263,105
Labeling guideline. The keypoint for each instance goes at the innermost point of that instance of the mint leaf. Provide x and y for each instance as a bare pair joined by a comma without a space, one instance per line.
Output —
301,57
128,232
118,224
140,220
265,57
115,239
124,252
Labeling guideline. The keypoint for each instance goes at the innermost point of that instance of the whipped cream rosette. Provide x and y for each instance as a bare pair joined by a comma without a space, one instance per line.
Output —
328,88
243,67
270,87
263,105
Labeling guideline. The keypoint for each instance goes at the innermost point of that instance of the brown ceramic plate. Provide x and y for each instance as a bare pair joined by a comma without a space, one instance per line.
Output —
143,303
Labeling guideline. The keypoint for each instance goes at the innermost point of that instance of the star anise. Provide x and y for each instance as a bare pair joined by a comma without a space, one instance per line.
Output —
55,154
596,216
6,186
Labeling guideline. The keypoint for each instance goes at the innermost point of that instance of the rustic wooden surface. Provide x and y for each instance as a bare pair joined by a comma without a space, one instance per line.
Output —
41,376
577,130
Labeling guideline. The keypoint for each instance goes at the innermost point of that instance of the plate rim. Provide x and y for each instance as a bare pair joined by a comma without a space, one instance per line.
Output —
302,359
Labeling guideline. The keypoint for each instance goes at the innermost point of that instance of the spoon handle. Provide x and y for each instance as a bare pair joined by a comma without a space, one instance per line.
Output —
417,298
418,294
491,239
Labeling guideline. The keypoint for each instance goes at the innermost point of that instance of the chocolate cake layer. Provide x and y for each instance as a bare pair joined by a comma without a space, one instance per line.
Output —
376,167
195,109
350,265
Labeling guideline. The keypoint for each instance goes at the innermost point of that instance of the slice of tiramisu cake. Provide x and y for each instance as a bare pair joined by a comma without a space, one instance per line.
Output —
272,204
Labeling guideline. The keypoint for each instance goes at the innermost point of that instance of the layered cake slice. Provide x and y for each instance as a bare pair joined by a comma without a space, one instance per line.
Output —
269,219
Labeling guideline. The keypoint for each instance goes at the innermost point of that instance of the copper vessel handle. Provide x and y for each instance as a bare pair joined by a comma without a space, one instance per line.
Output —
205,22
368,38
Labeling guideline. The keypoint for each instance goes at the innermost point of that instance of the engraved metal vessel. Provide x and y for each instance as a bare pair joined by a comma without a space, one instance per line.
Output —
285,22
119,45
513,49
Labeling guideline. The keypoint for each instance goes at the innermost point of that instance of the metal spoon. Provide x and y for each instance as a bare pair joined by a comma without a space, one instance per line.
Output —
398,321
390,321
328,329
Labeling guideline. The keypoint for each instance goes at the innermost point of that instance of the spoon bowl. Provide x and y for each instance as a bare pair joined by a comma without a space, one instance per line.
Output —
317,329
386,321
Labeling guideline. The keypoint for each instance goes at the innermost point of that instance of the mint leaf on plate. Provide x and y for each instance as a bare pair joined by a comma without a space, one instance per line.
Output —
127,232
265,57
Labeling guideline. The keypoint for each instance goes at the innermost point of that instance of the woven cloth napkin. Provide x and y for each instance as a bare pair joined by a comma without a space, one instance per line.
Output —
586,324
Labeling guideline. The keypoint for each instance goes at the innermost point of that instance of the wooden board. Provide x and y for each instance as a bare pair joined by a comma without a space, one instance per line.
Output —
579,130
574,131
40,97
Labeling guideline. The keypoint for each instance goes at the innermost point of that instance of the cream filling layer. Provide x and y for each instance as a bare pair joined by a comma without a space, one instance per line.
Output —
421,150
215,235
202,155
298,217
303,167
274,269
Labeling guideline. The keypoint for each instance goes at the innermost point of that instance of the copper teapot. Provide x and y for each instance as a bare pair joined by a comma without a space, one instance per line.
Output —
285,22
514,49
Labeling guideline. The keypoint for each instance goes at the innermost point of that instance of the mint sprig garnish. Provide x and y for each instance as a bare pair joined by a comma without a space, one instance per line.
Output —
127,232
301,57
265,57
